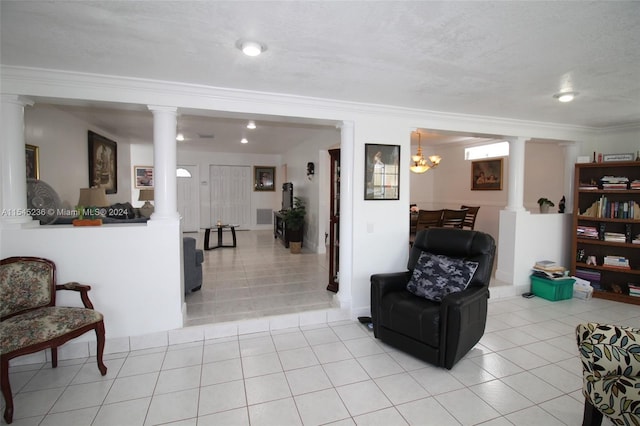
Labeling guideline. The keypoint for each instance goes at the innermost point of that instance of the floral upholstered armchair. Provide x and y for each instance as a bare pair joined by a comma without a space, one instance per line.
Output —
611,372
30,321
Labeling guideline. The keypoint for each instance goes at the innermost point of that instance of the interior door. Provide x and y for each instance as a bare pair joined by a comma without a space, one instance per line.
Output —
189,199
231,195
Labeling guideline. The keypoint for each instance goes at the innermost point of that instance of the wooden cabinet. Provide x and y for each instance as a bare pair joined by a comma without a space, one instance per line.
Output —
334,221
606,221
280,229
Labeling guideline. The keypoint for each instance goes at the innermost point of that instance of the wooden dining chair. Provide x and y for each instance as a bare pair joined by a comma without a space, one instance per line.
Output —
453,218
470,219
428,219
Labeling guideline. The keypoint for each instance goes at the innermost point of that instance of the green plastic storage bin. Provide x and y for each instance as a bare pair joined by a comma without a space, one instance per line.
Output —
552,289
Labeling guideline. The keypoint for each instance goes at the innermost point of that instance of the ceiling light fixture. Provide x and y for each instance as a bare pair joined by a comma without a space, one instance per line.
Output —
250,48
419,164
565,96
251,125
244,140
180,137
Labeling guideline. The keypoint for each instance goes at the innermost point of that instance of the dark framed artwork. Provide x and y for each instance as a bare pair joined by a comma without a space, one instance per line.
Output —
143,176
32,156
487,174
382,172
103,163
264,178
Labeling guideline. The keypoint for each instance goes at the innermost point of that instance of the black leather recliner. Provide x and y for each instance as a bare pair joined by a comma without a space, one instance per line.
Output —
440,333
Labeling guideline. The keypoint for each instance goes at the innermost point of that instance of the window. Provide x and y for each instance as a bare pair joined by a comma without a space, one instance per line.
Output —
498,149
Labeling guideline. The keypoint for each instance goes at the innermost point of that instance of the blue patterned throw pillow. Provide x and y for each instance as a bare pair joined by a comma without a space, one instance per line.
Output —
436,276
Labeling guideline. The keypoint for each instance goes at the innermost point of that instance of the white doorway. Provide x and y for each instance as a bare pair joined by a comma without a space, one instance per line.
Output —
230,188
188,198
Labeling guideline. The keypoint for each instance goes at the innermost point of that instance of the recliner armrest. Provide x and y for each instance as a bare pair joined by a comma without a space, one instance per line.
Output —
385,283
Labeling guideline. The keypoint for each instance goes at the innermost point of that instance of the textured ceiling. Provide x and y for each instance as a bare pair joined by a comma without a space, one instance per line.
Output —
502,59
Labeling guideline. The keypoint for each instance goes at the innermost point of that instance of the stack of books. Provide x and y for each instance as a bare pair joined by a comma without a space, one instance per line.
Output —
616,262
549,269
636,239
588,186
615,237
614,182
635,184
634,290
590,275
587,231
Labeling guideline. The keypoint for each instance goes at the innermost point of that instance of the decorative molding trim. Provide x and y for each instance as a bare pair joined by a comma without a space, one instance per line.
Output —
85,88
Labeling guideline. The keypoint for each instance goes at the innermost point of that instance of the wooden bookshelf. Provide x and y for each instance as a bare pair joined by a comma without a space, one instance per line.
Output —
613,280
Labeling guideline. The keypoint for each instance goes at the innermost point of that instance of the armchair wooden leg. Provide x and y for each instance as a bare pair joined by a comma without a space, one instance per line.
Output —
592,417
100,347
6,391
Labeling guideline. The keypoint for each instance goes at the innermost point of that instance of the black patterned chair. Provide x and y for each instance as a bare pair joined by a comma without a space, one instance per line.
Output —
610,358
30,321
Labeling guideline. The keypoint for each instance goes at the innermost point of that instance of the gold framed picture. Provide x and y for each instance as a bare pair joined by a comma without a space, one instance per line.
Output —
487,174
32,156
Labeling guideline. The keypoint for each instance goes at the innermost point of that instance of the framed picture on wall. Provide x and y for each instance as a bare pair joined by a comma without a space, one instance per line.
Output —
264,178
103,163
143,176
32,156
487,174
382,172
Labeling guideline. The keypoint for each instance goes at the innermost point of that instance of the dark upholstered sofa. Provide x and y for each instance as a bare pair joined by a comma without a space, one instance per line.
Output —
193,259
441,332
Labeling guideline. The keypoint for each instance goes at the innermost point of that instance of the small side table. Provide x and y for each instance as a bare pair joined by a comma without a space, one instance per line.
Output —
220,228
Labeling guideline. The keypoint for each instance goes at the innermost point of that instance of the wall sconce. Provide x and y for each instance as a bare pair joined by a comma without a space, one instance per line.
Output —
311,169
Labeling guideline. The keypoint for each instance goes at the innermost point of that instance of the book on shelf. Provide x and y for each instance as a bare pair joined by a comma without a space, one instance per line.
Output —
590,275
635,184
586,231
616,262
604,207
616,237
613,180
634,289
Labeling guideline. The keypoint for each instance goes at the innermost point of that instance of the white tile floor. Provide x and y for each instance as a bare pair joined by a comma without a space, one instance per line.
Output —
258,278
524,371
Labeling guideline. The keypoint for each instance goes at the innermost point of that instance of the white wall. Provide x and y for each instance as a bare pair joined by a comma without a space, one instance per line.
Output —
133,270
63,142
309,190
259,200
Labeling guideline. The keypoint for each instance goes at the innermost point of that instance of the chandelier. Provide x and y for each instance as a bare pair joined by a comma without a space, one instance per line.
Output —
420,164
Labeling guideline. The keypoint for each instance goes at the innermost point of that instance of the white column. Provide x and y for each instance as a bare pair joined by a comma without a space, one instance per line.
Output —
164,163
570,157
14,169
515,196
347,162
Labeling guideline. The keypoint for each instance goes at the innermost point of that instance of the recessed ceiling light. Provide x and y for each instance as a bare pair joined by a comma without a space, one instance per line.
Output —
180,137
565,96
250,48
244,140
251,125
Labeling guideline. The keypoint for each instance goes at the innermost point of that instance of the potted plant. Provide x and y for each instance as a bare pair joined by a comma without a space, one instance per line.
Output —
544,204
294,220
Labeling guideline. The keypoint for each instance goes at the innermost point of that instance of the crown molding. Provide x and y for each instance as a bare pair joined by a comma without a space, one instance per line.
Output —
52,85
